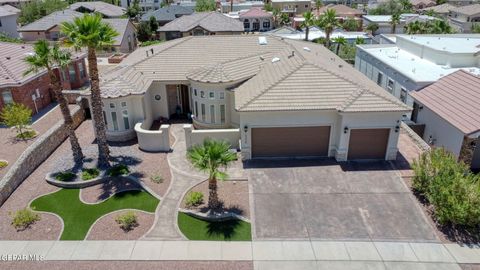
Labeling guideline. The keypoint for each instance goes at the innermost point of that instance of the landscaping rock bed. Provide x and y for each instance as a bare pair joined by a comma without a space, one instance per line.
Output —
103,191
106,228
77,182
49,227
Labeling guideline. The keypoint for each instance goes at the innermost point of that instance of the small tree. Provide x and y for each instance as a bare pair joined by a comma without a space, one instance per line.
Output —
394,21
284,19
318,5
308,22
372,28
476,28
134,10
18,116
350,24
205,5
144,33
153,24
339,41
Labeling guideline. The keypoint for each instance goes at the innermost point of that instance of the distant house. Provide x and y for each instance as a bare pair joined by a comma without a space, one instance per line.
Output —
240,5
342,11
385,27
460,3
201,24
8,20
107,10
450,112
34,90
15,3
256,20
463,18
421,4
167,14
442,10
316,33
48,28
292,7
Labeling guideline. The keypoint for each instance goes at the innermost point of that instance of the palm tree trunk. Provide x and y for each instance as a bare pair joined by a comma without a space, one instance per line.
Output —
97,113
338,48
67,117
213,202
307,30
327,37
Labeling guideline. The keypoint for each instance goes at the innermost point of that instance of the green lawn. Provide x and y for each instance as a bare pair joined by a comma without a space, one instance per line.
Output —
78,217
197,229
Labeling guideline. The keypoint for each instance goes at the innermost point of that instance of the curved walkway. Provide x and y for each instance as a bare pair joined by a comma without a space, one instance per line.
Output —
184,177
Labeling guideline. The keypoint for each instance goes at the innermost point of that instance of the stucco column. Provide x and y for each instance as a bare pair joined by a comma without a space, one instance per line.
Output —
188,134
165,129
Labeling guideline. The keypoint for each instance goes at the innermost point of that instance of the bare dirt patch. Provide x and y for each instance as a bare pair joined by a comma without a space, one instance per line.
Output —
106,228
233,195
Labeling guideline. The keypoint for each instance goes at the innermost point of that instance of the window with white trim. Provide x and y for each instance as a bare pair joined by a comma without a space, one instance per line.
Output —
196,109
390,85
222,114
124,104
203,112
112,105
202,94
81,69
379,78
7,96
114,121
212,114
211,95
403,95
126,123
222,95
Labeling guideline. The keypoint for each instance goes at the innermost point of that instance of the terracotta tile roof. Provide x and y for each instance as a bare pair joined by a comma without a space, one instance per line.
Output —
455,98
341,10
281,75
255,12
210,21
108,10
468,10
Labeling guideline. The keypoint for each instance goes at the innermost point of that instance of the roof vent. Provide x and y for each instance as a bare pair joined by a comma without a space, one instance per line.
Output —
261,58
151,50
8,57
306,49
262,40
275,59
292,55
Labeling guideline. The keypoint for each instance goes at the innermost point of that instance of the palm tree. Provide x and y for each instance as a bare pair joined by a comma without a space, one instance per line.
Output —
372,27
276,16
328,22
90,32
47,57
415,27
284,19
359,41
394,21
439,27
318,5
210,157
308,22
340,41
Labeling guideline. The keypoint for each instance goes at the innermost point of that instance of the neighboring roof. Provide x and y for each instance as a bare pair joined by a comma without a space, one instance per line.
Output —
468,10
425,2
12,64
455,98
306,76
339,10
51,20
210,21
13,1
315,33
255,12
168,13
440,9
11,9
120,25
4,12
106,9
287,1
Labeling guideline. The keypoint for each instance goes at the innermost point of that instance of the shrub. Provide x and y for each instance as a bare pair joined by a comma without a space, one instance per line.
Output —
156,178
25,135
194,198
65,176
18,116
23,218
3,164
127,221
119,169
150,42
90,173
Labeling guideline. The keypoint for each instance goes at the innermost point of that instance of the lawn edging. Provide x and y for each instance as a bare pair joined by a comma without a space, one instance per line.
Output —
102,177
213,216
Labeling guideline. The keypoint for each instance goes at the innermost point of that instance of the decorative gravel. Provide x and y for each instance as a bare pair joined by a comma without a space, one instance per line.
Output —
100,192
233,194
49,227
106,228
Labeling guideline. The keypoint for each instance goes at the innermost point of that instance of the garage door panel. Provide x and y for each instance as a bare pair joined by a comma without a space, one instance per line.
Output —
368,143
290,141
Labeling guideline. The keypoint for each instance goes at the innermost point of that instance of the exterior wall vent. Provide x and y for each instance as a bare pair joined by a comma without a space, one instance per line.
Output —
275,59
262,40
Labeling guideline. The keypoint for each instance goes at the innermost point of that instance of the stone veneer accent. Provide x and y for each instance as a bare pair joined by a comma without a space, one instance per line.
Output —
36,154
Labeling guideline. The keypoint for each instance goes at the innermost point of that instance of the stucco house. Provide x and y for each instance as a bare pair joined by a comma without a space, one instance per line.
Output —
463,18
342,11
450,112
107,10
256,20
442,10
238,6
292,7
421,4
200,24
8,20
268,97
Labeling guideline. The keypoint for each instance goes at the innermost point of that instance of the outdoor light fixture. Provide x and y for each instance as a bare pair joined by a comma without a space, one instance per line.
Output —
345,130
245,128
397,128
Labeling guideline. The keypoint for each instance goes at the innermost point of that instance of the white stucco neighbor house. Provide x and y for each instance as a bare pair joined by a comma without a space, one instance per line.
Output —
267,96
415,61
449,109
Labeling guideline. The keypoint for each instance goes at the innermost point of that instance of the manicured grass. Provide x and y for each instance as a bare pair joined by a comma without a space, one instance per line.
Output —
197,229
78,217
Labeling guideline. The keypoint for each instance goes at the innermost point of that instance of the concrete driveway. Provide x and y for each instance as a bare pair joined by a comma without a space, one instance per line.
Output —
321,199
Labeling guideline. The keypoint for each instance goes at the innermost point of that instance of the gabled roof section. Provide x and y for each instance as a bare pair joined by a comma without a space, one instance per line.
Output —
8,10
210,21
364,100
441,9
106,9
120,25
168,13
255,12
455,98
51,20
468,10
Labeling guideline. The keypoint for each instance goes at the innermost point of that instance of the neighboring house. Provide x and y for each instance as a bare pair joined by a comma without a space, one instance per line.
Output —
167,14
416,61
342,11
442,10
201,24
107,10
316,33
34,90
48,28
240,5
8,20
460,3
292,7
463,18
421,4
449,109
15,3
385,27
256,20
280,98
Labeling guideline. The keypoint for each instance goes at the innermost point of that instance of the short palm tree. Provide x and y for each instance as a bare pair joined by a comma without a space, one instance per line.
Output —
394,21
308,22
340,41
50,57
90,32
372,28
328,22
284,19
210,157
318,5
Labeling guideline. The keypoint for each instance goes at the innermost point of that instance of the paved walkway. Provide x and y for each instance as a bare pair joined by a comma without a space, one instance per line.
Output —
264,254
184,176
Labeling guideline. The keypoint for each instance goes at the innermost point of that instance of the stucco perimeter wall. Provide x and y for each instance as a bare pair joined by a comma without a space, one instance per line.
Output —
153,140
35,154
194,137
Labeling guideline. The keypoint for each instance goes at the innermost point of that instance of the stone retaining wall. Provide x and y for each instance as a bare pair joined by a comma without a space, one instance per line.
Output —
35,154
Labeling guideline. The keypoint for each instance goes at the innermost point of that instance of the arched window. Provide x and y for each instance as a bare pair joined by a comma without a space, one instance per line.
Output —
255,25
246,24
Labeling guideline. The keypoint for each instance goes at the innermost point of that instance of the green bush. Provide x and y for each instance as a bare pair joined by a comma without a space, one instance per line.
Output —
127,221
23,218
119,169
90,173
150,42
449,186
65,176
3,164
156,178
194,198
28,134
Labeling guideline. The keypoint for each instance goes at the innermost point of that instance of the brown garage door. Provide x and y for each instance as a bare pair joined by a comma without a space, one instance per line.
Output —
290,141
368,143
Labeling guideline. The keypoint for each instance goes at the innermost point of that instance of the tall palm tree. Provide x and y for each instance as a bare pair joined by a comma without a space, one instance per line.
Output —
394,21
50,57
90,32
328,22
340,41
308,22
209,157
